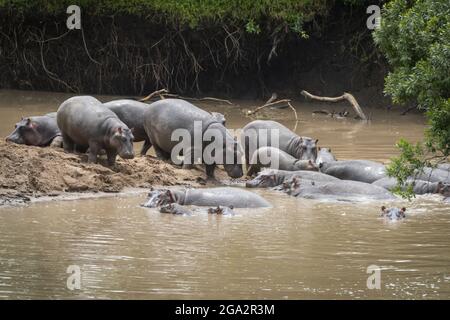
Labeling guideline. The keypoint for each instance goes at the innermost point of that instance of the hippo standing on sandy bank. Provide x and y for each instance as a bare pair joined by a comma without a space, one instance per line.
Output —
272,178
255,134
164,118
39,131
131,113
86,123
277,159
357,170
224,196
341,190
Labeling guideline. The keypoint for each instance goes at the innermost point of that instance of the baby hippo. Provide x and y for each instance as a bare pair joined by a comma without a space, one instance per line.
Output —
222,210
393,213
277,159
86,123
324,155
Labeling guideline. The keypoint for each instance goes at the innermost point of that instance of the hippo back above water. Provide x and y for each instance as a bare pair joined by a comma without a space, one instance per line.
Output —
86,123
272,177
35,131
222,196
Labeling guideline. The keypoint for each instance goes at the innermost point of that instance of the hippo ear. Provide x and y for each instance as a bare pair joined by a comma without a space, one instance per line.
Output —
231,207
132,130
170,195
320,148
403,209
317,140
383,208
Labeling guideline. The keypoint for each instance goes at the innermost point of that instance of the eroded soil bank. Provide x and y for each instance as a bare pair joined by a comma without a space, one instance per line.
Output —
28,172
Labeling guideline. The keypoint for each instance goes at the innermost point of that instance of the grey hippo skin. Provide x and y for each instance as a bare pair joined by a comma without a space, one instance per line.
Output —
278,160
131,113
357,170
325,155
163,117
434,175
86,123
342,190
175,208
223,196
36,131
419,186
303,148
393,214
219,117
272,178
444,166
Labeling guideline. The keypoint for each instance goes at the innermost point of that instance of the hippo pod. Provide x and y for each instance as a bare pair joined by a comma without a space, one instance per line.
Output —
418,186
277,159
356,170
272,177
86,123
168,121
342,190
393,214
262,133
223,196
39,131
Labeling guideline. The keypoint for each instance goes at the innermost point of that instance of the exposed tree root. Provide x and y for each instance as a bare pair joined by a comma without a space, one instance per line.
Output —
346,96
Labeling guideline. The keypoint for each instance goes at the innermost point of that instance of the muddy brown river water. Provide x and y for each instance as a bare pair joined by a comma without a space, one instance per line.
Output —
297,249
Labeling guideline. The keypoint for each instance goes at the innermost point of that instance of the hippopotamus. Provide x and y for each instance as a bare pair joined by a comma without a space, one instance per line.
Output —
131,113
272,177
253,137
39,131
175,208
219,117
222,210
324,155
86,123
433,175
419,186
277,159
393,213
341,190
444,166
162,119
222,196
357,170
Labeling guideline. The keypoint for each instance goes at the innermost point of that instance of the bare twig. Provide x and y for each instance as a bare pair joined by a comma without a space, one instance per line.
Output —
346,96
155,93
282,101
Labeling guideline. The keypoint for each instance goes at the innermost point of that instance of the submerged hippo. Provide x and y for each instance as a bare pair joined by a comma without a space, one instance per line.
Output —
86,123
257,134
277,159
357,170
39,131
324,155
393,213
164,117
222,210
419,186
224,196
272,177
341,190
434,175
175,208
131,113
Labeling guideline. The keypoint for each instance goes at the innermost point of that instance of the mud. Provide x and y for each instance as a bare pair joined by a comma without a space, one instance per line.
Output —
29,172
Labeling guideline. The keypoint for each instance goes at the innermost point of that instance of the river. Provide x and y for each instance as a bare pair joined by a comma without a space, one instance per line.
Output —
297,249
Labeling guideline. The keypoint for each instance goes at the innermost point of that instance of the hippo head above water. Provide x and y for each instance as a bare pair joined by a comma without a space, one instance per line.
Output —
307,148
263,180
221,210
158,198
393,213
122,141
26,132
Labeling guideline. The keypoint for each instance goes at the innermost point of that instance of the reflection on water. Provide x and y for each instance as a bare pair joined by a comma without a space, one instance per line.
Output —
298,249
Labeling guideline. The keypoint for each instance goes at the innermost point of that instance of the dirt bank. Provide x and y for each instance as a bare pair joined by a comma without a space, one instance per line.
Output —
27,172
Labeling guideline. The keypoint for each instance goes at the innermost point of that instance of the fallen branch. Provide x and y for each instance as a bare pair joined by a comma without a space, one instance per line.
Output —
346,96
155,93
270,104
198,99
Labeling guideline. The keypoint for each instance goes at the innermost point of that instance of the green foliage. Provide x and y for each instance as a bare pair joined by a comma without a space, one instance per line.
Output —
415,38
292,13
